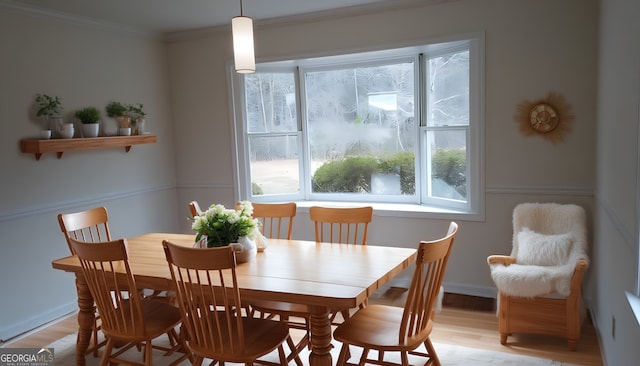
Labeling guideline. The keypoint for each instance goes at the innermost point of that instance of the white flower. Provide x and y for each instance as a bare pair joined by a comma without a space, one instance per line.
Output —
223,226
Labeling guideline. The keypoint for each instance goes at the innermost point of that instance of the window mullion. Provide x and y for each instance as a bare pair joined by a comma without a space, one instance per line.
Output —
305,174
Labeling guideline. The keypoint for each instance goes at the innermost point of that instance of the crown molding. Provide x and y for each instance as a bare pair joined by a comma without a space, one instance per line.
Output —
40,12
351,11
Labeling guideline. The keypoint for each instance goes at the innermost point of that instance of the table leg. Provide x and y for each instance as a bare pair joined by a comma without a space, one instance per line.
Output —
320,337
86,318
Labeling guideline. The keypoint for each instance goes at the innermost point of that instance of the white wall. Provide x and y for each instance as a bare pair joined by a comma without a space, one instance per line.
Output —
85,65
616,250
526,58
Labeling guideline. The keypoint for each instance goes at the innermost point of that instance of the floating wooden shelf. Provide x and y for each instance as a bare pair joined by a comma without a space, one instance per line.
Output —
59,146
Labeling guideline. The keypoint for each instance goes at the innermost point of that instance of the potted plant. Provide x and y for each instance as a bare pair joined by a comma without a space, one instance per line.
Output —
120,112
49,109
89,117
137,114
219,226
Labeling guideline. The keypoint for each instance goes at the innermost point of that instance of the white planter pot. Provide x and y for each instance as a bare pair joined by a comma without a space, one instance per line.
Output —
140,126
66,131
45,134
90,129
54,123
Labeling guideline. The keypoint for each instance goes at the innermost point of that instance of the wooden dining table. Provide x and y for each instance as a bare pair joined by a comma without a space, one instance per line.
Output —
323,276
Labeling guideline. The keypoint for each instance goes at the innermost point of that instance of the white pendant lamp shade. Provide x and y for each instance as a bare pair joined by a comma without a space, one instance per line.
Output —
242,29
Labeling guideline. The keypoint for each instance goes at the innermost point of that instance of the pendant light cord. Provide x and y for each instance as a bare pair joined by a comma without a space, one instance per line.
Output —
241,14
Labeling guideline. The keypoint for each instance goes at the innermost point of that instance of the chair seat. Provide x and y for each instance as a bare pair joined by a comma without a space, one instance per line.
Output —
379,326
531,280
158,315
261,336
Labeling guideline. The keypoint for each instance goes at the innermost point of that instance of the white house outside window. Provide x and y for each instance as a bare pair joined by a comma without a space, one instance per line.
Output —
397,126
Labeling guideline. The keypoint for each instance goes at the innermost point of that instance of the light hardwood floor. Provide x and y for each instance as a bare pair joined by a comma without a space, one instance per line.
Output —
465,321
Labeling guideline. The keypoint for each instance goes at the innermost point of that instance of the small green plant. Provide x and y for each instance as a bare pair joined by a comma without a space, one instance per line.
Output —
136,111
88,115
48,106
116,109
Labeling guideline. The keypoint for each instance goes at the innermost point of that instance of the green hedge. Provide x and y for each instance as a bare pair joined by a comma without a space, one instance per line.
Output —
353,174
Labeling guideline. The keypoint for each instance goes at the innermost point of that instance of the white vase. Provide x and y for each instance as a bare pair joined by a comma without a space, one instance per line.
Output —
261,243
90,129
245,249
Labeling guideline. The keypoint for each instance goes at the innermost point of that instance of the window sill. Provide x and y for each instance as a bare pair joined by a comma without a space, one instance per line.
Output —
634,302
399,210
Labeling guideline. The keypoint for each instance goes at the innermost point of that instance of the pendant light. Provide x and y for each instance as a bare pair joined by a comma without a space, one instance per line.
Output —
242,31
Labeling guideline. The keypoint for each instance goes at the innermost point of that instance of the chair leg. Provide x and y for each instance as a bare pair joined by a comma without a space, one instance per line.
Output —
344,355
363,357
107,352
404,358
295,353
198,361
283,357
148,356
95,338
433,356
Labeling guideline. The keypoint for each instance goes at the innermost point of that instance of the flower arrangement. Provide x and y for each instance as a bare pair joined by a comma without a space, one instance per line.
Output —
223,226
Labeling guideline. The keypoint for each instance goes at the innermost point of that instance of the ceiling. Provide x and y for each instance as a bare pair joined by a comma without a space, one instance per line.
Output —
161,16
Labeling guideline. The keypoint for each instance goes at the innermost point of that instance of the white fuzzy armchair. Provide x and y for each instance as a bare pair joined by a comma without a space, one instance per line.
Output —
539,284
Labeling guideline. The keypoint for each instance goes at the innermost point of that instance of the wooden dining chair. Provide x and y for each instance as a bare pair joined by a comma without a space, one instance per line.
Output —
209,298
277,223
394,329
194,209
89,226
276,219
92,226
347,225
127,318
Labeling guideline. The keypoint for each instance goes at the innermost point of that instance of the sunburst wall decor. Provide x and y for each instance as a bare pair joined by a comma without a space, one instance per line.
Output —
550,117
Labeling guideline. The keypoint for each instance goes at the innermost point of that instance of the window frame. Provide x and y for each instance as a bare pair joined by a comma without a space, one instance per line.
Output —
474,206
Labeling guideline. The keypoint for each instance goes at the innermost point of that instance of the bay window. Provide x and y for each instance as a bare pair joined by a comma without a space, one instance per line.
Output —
398,126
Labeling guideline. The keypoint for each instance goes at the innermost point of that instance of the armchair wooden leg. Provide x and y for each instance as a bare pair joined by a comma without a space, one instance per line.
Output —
503,338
